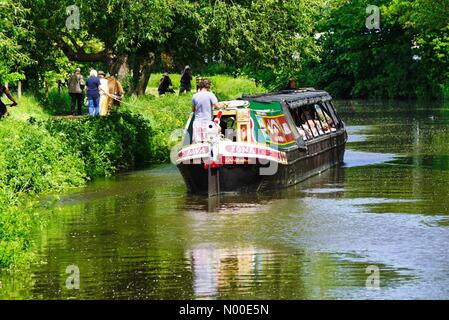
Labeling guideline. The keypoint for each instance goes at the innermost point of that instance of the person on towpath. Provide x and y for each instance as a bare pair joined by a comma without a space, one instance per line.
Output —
165,85
93,93
186,79
76,87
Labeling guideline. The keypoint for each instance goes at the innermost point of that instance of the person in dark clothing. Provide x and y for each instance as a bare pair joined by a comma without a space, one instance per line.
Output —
93,93
165,84
186,78
5,90
76,87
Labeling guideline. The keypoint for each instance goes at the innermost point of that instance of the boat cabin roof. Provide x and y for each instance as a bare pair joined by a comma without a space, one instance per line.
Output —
294,98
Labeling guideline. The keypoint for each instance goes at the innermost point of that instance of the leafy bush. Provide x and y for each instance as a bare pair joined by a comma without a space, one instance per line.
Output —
165,114
55,103
33,162
105,144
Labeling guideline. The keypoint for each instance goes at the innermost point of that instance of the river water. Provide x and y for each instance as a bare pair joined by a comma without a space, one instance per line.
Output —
382,215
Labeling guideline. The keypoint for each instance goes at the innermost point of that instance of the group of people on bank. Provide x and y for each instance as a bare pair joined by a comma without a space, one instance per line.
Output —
102,93
165,84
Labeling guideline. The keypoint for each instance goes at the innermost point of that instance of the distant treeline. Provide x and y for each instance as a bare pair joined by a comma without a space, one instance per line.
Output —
408,57
337,45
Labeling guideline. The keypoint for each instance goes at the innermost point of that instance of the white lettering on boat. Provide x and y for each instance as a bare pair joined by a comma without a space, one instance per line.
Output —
238,150
195,152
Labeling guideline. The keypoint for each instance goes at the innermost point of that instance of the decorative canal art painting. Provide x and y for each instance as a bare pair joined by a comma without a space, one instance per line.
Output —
278,129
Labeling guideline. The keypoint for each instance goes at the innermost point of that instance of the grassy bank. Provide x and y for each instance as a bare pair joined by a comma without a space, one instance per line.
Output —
225,87
42,154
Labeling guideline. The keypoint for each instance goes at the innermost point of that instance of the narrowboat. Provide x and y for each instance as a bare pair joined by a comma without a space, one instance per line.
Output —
263,142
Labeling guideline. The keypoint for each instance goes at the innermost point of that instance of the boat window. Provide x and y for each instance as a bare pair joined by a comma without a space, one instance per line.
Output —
315,120
327,116
305,128
327,125
331,111
298,123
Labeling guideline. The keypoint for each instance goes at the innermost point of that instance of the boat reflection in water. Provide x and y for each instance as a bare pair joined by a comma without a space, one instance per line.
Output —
220,271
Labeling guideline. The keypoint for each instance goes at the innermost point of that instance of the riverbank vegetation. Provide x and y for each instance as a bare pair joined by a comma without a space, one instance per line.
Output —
51,155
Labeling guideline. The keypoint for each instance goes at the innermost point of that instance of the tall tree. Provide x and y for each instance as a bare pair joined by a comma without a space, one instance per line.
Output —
14,33
405,58
428,20
114,32
269,35
267,38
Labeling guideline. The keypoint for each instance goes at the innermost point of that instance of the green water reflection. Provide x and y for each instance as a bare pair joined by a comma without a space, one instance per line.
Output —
140,236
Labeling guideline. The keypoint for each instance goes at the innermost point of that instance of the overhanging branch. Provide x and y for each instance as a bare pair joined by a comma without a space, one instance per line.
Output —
80,55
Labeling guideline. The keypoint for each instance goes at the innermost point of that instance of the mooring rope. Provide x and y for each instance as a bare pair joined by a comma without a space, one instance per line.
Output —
116,98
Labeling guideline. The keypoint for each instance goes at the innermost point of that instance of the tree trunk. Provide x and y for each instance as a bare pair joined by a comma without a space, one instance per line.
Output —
46,88
141,74
143,80
19,89
119,68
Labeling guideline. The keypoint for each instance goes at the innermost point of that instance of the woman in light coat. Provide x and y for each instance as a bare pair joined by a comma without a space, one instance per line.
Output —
104,94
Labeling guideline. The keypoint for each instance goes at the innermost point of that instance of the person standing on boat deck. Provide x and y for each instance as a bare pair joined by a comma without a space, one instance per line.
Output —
93,94
202,103
186,79
5,90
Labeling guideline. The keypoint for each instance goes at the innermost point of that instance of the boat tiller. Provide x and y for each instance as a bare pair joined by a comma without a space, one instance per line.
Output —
213,166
